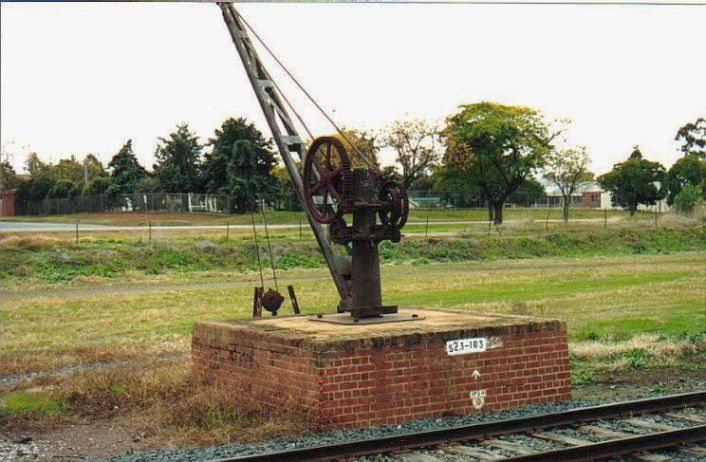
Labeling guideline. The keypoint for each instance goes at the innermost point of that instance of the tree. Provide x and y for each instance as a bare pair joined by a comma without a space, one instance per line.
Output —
567,168
125,171
8,176
97,186
35,189
499,146
239,164
67,169
63,189
456,186
92,167
361,140
687,198
35,166
178,158
416,145
693,137
690,169
528,193
634,181
284,196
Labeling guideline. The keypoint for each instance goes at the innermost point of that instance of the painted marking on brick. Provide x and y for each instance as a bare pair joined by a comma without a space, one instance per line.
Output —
464,346
478,398
476,374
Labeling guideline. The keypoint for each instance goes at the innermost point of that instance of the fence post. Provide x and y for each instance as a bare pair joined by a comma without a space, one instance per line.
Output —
426,228
228,231
149,231
605,218
76,232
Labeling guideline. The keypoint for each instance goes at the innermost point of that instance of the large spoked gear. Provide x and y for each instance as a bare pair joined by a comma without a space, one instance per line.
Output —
327,179
395,209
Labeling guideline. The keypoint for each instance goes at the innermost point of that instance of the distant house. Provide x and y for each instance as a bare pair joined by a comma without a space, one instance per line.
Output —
588,195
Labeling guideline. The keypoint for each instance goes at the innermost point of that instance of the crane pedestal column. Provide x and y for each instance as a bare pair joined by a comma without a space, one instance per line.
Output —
366,292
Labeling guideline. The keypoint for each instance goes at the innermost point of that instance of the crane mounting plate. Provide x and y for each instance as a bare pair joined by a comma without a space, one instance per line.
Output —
347,319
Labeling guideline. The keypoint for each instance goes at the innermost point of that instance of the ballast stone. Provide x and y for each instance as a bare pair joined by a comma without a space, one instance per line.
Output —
362,376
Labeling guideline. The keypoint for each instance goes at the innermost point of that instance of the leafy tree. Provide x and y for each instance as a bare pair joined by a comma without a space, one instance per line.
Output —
690,169
456,186
148,184
8,176
687,198
528,193
239,164
499,146
63,189
567,168
35,166
364,141
93,167
35,189
693,137
67,169
633,182
97,186
284,196
178,158
416,144
125,171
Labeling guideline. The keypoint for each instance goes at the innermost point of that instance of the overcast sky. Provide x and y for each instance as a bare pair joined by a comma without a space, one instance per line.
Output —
84,78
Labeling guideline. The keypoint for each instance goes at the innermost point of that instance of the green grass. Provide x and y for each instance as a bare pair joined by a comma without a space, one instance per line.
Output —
31,403
287,217
56,261
607,298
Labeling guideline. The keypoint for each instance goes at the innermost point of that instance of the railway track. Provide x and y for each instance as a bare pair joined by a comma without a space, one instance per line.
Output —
636,428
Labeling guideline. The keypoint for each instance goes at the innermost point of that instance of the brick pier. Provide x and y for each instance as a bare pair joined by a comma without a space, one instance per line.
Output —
368,375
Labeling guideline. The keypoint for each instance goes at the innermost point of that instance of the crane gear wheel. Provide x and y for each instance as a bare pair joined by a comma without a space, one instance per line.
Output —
395,209
327,179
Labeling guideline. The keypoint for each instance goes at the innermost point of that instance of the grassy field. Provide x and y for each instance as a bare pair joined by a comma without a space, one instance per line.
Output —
285,217
105,325
33,260
601,298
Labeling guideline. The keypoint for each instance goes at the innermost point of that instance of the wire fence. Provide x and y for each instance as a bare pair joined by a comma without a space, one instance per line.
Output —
136,202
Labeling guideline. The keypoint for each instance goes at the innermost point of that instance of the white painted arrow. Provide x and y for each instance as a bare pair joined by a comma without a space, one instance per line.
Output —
476,374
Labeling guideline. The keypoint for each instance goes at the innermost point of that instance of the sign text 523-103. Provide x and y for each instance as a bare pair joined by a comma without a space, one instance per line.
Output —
463,346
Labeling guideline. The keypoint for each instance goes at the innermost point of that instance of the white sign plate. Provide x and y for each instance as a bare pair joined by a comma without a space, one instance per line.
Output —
464,346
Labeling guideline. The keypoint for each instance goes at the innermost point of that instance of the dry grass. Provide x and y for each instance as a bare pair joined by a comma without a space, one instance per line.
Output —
174,403
15,243
641,351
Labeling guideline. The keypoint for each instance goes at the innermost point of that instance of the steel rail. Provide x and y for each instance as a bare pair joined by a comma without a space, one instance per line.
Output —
479,431
619,447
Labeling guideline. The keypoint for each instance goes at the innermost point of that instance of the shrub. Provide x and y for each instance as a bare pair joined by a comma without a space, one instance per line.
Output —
688,197
63,189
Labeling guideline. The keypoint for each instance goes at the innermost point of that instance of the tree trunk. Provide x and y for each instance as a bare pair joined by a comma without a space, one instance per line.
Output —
567,203
490,211
633,207
499,213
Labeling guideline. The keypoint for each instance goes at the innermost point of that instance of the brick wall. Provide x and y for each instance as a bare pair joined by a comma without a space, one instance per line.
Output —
386,379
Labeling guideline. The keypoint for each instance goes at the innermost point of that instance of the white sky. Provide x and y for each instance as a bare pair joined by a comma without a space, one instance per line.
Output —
83,78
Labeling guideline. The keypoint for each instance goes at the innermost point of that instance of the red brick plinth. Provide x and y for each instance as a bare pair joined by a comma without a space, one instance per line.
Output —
368,375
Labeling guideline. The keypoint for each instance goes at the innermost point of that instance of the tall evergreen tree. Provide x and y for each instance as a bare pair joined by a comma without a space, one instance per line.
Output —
178,159
239,165
125,171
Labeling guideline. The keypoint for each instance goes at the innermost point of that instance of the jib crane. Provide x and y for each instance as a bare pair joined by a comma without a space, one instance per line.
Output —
329,190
